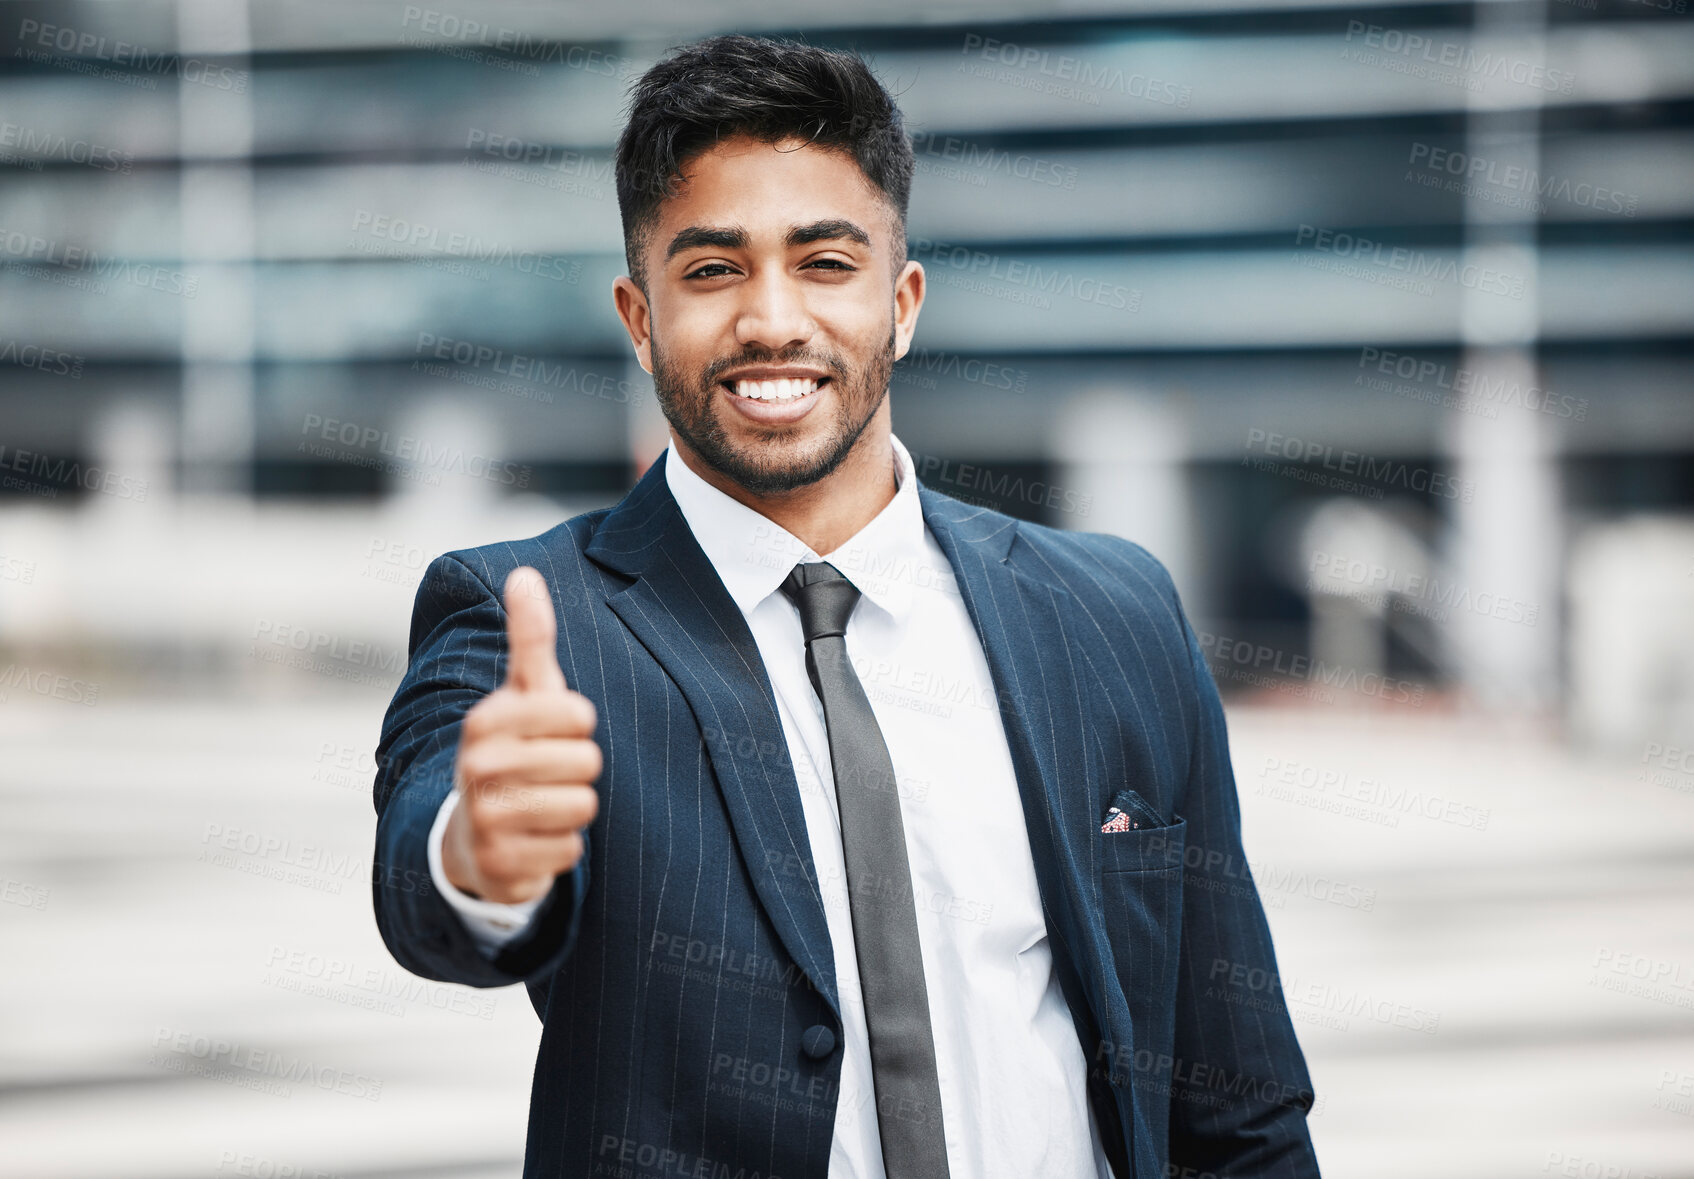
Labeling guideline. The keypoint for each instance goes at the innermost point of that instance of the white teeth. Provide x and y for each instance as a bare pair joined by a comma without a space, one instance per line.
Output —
783,390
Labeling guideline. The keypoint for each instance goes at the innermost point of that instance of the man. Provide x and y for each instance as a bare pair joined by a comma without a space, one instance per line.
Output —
836,828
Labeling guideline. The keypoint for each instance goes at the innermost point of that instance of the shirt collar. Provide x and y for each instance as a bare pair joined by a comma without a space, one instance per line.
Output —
753,555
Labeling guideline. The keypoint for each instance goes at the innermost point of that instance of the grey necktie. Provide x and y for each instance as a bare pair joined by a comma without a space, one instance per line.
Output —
879,884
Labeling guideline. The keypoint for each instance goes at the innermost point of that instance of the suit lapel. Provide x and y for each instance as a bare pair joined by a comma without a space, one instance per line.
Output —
1019,613
1020,616
681,613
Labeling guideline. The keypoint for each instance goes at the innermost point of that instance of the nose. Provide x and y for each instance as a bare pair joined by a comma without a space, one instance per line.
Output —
773,312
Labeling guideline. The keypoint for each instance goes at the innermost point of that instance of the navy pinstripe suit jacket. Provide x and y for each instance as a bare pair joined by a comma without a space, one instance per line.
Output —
683,971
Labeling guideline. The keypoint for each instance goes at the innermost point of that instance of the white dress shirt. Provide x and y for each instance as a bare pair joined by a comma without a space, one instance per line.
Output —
1012,1073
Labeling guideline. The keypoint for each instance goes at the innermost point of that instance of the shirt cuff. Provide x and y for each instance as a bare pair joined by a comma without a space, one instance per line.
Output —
490,923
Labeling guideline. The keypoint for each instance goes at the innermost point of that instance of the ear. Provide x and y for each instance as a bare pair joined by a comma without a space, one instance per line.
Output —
908,300
637,318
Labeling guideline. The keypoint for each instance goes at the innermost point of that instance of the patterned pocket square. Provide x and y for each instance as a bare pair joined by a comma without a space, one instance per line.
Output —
1120,821
1129,812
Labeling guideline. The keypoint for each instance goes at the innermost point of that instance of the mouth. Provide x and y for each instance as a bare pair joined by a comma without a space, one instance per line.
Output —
774,399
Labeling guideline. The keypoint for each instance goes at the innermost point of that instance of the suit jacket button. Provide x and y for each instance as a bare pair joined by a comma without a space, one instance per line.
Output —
818,1041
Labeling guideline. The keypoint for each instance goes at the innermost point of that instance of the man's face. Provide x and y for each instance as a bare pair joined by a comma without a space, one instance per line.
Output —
773,314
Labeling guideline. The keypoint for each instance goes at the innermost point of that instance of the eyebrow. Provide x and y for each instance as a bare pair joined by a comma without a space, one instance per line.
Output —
824,231
734,237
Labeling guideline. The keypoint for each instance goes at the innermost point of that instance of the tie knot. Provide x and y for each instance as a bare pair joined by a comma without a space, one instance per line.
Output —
823,596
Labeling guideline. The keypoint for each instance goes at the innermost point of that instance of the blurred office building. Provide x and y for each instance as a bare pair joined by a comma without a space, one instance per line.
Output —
1371,321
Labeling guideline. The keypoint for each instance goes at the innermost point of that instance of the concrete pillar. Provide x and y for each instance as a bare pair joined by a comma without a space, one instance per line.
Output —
1506,540
1127,452
218,246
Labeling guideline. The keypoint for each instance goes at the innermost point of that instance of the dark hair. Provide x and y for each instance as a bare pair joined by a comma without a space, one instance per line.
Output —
768,89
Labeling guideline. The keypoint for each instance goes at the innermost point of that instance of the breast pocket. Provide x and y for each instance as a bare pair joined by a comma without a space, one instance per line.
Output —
1141,881
1136,838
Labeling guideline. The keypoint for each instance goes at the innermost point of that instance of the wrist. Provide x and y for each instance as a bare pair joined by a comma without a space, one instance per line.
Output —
453,862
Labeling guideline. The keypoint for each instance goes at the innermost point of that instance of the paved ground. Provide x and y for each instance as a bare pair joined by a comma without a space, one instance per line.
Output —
1461,961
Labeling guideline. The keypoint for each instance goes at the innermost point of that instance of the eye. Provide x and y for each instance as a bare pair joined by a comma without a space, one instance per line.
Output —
707,270
831,264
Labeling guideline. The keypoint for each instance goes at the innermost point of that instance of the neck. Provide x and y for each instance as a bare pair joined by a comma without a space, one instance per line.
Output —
826,514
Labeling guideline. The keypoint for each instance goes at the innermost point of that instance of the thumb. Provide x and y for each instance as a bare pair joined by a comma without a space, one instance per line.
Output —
531,633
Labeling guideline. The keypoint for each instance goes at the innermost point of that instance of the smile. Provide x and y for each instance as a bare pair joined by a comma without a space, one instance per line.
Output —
775,401
788,389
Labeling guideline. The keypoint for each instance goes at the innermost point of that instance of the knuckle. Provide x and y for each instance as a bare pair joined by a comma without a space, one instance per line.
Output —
484,844
474,761
498,801
578,711
472,806
483,717
521,800
491,861
488,816
480,771
593,761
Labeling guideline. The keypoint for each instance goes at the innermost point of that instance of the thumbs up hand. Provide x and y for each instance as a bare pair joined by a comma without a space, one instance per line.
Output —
526,758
